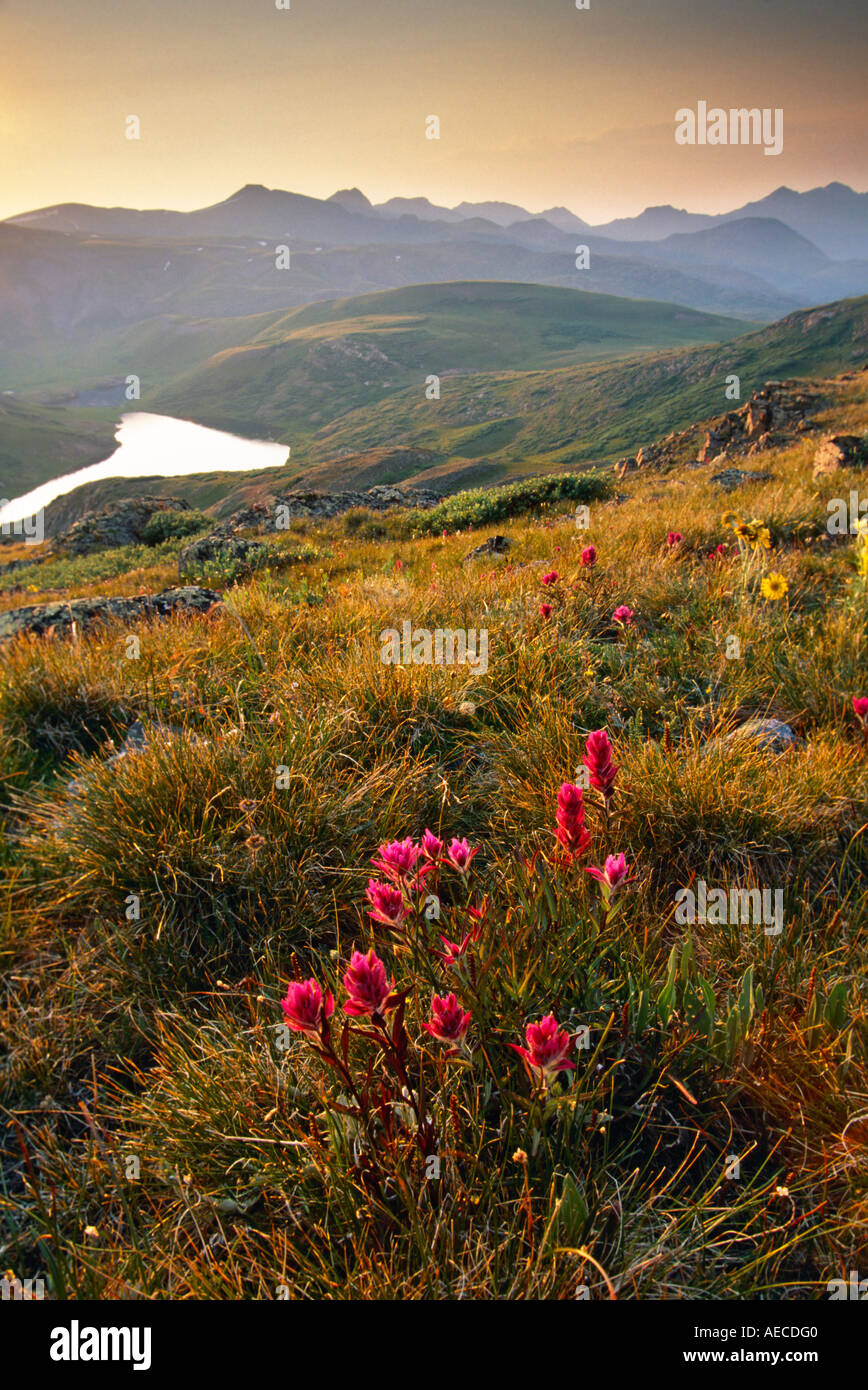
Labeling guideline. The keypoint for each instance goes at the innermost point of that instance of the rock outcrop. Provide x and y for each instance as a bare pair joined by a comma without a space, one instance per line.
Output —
122,523
82,614
838,451
770,419
222,550
279,511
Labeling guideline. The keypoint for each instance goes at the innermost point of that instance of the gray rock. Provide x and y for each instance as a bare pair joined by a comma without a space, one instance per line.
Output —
138,739
771,735
732,478
42,619
495,545
122,523
220,549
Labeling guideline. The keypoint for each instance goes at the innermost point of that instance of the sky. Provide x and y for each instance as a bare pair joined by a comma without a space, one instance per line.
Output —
539,103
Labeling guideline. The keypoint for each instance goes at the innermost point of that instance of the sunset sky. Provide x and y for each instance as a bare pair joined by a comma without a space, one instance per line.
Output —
540,103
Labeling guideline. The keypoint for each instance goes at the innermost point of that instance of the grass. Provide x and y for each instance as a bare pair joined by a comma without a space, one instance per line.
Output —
169,1137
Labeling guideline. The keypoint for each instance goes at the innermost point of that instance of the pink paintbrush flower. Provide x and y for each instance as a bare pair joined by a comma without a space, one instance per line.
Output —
674,538
545,610
398,859
459,855
453,951
614,874
448,1022
305,1008
550,578
602,771
369,990
571,832
432,848
623,615
860,709
548,1049
387,904
589,556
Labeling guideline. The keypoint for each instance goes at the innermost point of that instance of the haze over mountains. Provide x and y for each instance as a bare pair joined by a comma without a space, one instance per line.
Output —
84,290
73,277
209,314
835,218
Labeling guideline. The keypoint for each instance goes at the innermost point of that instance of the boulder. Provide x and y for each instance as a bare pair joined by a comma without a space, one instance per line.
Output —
220,549
58,619
840,451
771,735
138,740
495,545
732,478
122,523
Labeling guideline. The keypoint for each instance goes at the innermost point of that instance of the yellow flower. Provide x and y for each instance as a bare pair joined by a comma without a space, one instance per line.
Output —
762,536
775,586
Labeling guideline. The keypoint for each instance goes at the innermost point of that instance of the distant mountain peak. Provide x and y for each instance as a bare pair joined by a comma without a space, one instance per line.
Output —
353,199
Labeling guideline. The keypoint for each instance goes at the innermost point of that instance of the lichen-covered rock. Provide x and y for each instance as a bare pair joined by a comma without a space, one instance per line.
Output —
82,614
495,545
122,523
222,551
732,478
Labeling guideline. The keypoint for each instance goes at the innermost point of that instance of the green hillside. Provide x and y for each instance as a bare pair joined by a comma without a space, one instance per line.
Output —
527,420
312,380
601,410
39,442
312,366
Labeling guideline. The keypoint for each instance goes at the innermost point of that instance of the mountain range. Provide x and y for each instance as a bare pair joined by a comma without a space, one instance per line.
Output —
317,321
88,293
835,218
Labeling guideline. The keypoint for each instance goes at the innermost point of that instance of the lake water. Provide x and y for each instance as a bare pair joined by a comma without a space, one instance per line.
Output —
156,446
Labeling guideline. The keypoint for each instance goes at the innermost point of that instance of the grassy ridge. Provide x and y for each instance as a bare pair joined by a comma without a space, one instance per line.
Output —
603,410
312,366
180,1144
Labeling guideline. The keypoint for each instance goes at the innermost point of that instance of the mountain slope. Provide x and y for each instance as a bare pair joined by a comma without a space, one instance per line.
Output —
487,428
67,302
313,365
555,419
835,218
